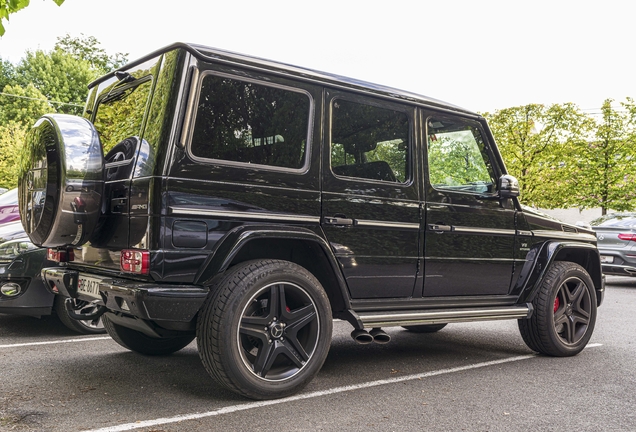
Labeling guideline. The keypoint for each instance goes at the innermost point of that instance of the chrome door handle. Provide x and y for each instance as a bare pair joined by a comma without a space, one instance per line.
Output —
338,221
440,228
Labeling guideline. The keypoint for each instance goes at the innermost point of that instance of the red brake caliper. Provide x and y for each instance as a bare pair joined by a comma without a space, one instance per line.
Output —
557,303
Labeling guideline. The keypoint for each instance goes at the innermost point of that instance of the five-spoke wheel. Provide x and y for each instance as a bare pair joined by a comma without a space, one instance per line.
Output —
265,332
564,312
279,331
572,310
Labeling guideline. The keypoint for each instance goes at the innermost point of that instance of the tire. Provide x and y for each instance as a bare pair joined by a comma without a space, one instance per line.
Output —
85,326
266,331
143,344
425,328
60,181
564,312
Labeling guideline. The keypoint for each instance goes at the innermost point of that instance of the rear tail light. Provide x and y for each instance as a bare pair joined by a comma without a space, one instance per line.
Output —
135,261
627,236
78,204
57,255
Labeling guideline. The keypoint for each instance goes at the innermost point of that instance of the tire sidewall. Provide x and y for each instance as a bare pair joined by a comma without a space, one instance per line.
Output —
565,349
245,379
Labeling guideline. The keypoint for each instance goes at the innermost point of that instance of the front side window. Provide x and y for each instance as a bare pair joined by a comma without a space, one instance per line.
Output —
457,157
369,142
250,123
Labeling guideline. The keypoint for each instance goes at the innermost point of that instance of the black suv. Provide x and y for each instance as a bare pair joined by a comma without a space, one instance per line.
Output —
247,203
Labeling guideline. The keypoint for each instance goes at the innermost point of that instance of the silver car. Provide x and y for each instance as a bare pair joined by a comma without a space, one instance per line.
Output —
616,234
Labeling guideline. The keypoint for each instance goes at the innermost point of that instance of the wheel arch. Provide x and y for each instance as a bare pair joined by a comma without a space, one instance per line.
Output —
295,244
584,254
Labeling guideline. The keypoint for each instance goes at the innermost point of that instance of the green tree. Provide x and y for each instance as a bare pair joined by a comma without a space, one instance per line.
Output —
43,82
603,169
534,140
12,135
7,73
22,105
88,48
12,6
59,76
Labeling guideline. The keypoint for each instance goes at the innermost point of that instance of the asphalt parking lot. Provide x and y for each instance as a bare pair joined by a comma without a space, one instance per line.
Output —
468,377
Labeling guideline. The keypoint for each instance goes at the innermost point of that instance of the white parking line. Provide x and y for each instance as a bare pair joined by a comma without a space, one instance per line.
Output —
342,389
61,341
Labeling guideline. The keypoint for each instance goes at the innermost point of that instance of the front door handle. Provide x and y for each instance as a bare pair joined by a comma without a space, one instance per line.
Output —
342,221
440,228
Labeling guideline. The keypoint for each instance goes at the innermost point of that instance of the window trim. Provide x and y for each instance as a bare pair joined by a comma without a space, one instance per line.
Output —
235,164
488,151
393,105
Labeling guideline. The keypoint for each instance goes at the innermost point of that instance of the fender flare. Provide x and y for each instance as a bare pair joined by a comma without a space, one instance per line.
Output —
236,239
541,257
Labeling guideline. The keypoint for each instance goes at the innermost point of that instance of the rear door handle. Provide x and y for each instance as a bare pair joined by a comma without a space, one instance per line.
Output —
440,228
338,221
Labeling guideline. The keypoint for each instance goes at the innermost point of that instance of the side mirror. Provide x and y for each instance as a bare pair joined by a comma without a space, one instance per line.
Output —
508,186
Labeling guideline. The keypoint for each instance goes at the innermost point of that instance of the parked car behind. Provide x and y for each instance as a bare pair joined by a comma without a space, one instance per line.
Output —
22,290
9,210
616,234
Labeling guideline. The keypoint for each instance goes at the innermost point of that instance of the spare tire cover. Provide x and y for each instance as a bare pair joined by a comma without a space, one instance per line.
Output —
61,181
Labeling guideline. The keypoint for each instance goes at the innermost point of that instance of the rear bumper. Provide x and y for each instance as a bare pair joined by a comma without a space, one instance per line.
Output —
176,303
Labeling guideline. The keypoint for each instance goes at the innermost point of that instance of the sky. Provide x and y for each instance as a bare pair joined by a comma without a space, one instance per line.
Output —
482,55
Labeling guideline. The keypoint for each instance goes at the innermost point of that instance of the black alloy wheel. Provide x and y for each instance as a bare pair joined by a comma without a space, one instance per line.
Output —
564,312
266,332
572,310
278,331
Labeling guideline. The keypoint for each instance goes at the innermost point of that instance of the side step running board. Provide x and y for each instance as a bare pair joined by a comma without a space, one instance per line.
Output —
385,319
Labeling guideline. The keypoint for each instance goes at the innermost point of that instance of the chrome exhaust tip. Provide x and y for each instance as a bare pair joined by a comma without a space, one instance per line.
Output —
380,336
362,337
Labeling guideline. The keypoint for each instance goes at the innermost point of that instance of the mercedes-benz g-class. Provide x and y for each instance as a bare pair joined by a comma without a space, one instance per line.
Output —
247,203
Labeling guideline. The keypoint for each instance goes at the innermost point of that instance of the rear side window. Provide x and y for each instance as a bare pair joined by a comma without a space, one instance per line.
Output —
369,142
251,123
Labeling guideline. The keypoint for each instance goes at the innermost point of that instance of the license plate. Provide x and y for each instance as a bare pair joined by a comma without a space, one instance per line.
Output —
607,259
89,286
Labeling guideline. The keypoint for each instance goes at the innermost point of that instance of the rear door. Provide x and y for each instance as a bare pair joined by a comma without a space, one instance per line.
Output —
119,113
370,203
